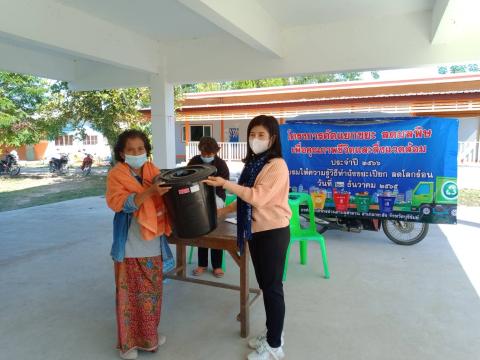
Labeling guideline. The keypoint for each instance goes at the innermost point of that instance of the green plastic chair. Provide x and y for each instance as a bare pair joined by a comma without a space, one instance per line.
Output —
303,235
229,199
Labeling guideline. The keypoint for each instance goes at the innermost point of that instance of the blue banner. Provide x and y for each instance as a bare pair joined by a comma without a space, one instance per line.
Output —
403,168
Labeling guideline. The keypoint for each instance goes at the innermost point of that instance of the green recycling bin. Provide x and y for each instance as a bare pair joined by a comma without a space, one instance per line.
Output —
362,201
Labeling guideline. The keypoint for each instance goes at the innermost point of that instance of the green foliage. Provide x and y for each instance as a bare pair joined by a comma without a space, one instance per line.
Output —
442,70
270,82
473,68
458,69
106,111
21,96
32,109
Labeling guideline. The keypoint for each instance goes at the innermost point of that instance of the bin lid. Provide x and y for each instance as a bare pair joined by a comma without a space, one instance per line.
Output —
185,175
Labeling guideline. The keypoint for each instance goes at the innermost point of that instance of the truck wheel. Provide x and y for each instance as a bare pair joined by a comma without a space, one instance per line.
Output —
404,232
453,212
425,210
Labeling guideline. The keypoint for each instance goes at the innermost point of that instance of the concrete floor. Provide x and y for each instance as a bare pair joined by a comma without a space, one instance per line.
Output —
383,301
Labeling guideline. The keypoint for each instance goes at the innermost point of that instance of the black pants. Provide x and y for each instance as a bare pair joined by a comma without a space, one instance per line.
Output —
268,250
215,254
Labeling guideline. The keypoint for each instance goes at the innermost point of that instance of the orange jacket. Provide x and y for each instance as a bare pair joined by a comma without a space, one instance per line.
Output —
152,214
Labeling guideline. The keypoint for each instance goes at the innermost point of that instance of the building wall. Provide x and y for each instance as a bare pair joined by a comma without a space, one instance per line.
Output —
40,149
179,144
78,149
216,133
468,129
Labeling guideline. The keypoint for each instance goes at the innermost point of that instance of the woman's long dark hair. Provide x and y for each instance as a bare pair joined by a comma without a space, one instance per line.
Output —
271,124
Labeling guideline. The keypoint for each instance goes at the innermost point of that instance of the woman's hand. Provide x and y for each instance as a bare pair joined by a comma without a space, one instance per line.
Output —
152,190
222,212
159,189
215,181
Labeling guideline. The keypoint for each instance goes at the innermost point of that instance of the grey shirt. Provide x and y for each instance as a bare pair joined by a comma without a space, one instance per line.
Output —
136,247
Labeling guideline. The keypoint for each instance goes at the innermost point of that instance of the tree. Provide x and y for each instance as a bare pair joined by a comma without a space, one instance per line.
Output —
32,109
269,82
106,111
458,69
21,97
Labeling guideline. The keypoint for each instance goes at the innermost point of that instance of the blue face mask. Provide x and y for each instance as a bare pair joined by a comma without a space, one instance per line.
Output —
136,162
207,160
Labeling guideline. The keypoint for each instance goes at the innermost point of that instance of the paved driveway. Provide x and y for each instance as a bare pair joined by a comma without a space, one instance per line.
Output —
383,301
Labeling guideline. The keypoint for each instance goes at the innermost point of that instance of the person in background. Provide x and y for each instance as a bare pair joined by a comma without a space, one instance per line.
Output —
14,154
139,228
263,219
209,148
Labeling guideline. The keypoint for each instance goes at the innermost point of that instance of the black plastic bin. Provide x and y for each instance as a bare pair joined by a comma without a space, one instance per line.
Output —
191,204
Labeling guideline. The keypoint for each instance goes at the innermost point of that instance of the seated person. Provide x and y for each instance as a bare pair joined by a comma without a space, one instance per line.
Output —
209,148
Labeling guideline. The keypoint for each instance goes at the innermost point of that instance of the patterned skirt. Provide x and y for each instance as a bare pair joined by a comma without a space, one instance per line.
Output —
138,302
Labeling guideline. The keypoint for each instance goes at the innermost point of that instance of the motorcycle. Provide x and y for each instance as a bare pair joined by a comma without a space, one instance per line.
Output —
9,166
59,165
87,165
399,232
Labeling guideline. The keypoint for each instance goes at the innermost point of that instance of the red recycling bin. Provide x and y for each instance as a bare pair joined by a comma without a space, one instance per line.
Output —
341,201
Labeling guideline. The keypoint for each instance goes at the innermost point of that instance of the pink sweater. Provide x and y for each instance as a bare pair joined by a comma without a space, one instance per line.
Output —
268,196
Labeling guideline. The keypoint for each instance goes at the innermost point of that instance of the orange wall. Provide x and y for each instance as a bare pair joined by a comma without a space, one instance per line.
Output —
38,150
21,151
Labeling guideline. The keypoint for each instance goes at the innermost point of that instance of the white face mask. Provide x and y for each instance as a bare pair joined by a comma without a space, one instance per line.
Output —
259,146
136,162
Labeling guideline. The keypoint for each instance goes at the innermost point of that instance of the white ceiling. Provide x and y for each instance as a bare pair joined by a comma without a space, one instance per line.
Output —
168,20
163,20
113,43
307,12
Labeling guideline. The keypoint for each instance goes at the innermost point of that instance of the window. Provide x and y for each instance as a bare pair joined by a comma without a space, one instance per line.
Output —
423,189
64,140
197,131
90,140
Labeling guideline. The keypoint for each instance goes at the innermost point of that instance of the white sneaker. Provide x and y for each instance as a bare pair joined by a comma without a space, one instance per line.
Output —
129,355
256,341
161,339
265,352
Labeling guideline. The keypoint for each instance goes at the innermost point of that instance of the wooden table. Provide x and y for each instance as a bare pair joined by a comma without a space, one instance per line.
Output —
224,237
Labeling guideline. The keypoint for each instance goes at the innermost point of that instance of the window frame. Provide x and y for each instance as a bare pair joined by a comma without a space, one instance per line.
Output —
183,137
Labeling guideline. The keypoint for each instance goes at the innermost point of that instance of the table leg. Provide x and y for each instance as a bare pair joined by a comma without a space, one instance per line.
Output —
182,260
244,294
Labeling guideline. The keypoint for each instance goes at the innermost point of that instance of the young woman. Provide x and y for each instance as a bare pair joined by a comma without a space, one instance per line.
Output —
263,218
209,148
139,228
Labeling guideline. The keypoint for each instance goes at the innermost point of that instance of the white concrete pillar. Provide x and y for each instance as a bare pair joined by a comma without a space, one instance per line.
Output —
163,122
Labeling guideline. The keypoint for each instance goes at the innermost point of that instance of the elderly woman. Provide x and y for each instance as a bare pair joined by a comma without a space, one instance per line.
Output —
139,228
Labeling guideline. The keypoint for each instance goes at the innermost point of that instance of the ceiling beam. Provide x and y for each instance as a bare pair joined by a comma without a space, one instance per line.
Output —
454,20
357,45
90,75
18,59
439,20
51,25
246,20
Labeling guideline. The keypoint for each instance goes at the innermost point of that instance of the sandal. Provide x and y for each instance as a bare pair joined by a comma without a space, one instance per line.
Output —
218,273
198,271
